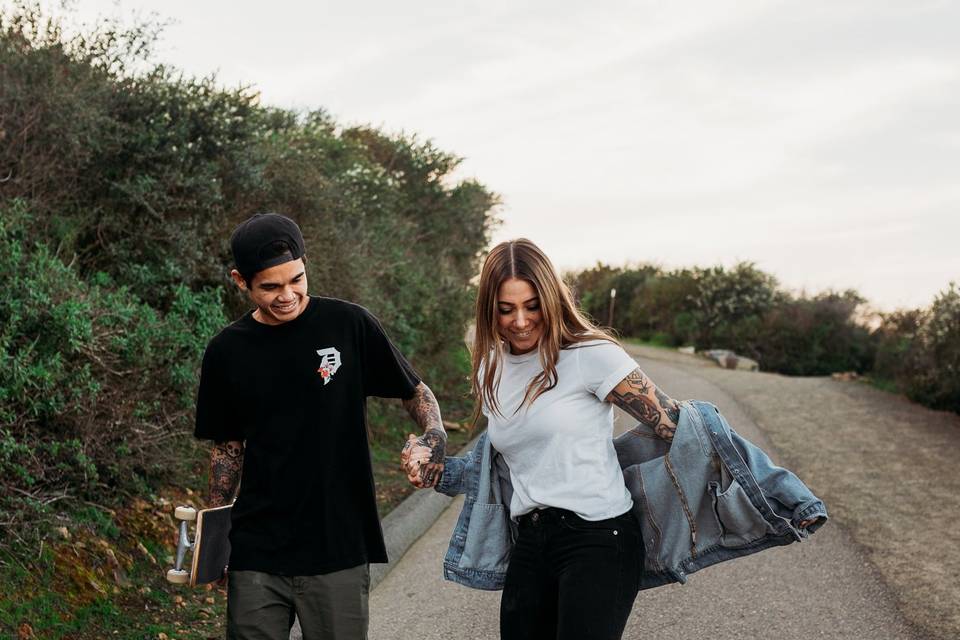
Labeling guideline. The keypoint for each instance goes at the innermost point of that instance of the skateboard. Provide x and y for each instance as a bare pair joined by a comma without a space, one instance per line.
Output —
210,546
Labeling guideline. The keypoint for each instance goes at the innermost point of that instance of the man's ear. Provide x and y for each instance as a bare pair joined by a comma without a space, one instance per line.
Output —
238,279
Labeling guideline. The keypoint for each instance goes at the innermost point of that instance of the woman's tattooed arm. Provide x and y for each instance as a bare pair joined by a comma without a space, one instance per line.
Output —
637,395
423,408
226,462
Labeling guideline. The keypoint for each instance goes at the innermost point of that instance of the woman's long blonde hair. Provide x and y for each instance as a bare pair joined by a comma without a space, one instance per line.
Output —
563,323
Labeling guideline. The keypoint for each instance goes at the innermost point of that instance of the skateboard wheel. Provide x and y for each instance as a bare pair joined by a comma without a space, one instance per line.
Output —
178,576
185,513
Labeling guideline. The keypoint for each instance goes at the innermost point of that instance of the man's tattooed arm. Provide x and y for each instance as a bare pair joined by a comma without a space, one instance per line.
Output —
226,462
423,408
637,395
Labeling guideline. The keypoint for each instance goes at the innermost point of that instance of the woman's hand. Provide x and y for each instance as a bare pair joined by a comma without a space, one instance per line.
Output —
413,457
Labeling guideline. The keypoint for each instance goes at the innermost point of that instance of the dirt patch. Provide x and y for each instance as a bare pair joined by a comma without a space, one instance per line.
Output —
886,467
102,575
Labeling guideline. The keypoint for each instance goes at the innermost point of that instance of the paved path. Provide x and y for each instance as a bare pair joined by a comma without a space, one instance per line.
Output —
824,588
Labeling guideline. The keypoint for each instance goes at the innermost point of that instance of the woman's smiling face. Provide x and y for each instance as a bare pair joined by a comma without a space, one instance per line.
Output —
519,319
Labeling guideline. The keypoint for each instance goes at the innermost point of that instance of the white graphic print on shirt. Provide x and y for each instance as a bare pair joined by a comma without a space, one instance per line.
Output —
329,363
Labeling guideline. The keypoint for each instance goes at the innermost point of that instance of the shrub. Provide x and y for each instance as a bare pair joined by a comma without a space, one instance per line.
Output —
723,299
921,351
592,287
897,339
94,383
808,336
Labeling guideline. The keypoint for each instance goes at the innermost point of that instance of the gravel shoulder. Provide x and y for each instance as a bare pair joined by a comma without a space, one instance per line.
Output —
886,467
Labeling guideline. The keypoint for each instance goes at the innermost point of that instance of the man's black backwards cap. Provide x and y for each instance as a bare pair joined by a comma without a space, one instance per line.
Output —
263,241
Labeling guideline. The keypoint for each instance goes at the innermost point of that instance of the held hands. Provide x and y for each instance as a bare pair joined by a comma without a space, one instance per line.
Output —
422,458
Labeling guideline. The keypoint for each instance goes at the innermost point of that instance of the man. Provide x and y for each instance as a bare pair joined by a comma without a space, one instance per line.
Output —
283,396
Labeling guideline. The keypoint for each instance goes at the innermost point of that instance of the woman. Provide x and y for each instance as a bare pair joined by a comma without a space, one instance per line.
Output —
547,378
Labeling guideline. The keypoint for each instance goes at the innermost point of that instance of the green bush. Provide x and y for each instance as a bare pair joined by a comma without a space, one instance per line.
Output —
808,336
724,299
919,351
78,361
897,341
683,306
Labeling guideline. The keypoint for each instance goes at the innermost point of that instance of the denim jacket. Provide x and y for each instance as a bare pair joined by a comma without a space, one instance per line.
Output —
707,496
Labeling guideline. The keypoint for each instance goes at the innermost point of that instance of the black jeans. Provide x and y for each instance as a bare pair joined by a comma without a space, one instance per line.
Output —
571,578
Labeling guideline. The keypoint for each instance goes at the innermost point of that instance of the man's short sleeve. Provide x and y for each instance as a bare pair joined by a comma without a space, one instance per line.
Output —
216,415
603,365
386,373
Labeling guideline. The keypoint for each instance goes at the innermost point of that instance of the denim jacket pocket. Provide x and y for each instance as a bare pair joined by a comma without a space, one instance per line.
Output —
740,522
488,543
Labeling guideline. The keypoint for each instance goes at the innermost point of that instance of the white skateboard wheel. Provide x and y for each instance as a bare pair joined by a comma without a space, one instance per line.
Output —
185,513
178,576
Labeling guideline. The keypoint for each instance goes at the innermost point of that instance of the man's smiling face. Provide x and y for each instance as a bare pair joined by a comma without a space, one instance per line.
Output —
279,292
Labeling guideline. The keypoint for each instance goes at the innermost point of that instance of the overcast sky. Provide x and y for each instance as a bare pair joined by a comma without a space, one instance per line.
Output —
819,139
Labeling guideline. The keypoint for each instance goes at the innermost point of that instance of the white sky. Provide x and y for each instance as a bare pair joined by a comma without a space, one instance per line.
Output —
820,139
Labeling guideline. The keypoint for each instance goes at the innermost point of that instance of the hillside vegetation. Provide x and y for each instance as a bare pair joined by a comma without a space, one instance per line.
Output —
120,181
745,310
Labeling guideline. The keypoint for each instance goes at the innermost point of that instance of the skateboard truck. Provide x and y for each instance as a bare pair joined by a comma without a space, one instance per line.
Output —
210,546
179,575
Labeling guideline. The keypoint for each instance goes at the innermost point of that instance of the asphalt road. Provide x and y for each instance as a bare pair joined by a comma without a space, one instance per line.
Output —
823,588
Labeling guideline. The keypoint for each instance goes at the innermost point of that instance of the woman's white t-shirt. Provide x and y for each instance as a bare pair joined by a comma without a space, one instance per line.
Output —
560,448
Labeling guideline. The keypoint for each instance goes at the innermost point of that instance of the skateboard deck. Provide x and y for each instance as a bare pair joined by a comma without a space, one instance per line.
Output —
210,545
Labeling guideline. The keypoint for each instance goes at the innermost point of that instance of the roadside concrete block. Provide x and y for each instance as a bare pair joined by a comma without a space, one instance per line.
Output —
730,360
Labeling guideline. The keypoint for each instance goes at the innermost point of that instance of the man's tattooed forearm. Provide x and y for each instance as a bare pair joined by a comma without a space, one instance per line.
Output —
423,408
226,463
437,441
641,399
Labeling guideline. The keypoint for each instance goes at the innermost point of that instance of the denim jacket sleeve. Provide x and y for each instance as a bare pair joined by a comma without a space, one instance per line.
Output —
453,481
786,493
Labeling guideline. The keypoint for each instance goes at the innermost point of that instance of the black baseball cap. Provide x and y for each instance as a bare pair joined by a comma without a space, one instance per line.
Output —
258,242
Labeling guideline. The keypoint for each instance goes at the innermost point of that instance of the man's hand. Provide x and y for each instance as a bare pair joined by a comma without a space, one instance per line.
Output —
412,457
422,458
424,470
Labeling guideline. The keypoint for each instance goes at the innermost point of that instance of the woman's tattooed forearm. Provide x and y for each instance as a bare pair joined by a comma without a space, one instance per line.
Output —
638,396
670,406
639,381
226,463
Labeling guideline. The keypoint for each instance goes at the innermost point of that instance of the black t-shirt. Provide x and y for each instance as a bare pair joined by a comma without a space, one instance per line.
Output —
296,393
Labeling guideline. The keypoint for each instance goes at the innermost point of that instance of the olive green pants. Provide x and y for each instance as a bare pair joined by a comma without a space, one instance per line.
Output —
331,606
